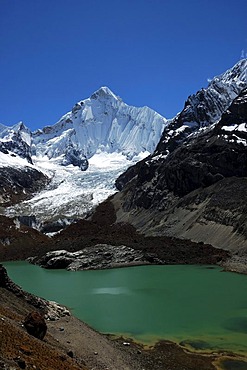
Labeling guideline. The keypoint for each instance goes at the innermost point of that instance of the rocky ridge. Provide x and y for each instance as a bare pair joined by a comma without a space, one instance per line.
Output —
204,108
201,110
108,244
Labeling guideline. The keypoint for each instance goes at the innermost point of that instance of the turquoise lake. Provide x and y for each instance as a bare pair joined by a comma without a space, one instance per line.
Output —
200,305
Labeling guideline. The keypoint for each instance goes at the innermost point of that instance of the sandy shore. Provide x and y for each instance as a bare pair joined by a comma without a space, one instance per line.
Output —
99,351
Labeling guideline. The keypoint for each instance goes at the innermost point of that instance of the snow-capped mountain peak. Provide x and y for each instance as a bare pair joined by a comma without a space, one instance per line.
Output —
103,123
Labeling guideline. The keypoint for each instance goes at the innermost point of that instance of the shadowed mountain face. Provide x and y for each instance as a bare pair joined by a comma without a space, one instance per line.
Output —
18,184
204,158
200,146
198,190
201,110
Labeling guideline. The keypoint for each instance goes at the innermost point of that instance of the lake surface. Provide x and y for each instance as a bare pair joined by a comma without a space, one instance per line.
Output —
198,305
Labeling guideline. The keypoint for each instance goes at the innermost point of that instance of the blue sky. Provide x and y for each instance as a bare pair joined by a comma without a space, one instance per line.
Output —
150,52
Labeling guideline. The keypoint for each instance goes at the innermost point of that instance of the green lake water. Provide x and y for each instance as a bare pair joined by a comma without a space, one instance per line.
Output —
197,305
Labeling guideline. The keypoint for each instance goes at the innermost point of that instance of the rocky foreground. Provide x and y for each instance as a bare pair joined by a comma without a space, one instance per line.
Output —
71,344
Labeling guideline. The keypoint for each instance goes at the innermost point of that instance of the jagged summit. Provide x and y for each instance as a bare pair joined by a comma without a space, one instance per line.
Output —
104,92
205,107
104,123
237,73
16,140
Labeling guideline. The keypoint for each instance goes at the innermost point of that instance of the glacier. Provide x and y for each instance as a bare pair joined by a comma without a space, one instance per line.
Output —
72,193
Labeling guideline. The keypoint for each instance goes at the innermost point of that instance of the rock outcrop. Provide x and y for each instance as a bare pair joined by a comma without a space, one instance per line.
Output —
100,256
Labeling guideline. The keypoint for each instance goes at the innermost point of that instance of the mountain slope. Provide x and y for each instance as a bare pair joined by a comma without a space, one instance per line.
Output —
193,186
19,178
201,110
198,191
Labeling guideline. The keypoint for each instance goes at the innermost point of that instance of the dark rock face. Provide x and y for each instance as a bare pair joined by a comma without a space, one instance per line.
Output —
18,183
35,325
19,147
29,221
201,110
4,279
211,155
53,227
76,157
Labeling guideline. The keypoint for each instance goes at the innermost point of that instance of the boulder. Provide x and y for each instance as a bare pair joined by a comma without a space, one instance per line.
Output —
35,325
